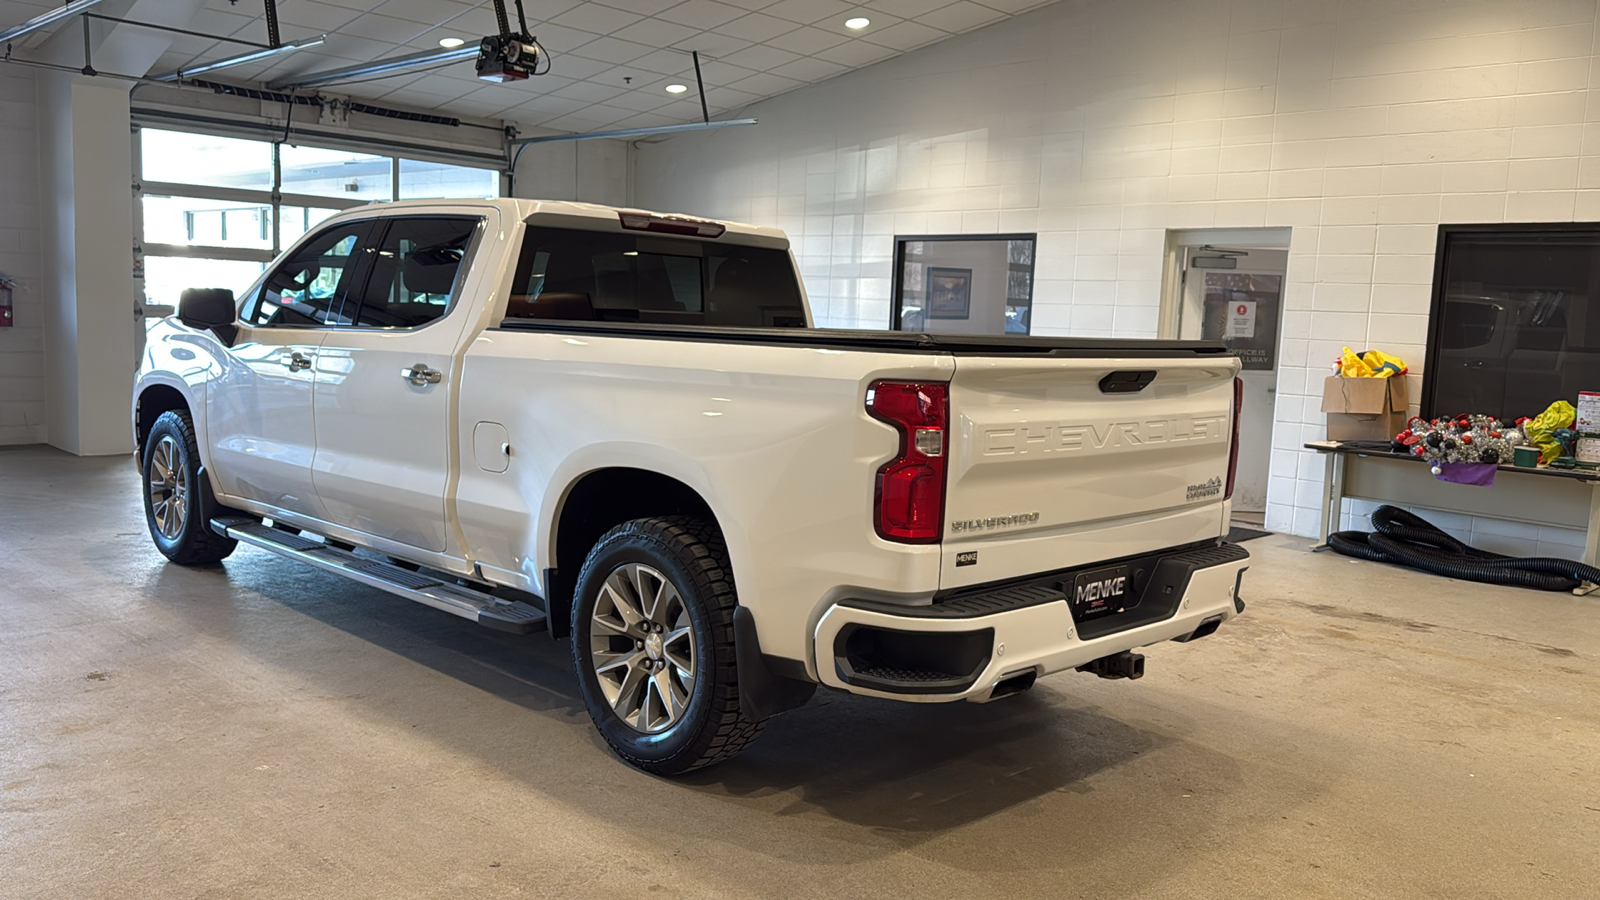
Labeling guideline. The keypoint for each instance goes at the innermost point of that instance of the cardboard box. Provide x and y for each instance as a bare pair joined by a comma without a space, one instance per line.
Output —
1365,409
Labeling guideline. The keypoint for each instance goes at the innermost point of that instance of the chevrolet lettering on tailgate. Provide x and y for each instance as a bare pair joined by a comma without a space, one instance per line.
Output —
1027,438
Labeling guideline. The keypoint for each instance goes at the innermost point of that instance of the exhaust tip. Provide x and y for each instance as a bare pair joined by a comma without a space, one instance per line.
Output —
1014,684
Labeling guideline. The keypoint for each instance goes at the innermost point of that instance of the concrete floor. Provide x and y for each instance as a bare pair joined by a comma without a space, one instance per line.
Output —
265,730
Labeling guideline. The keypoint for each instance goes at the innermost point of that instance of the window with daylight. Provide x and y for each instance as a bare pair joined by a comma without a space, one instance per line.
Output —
214,211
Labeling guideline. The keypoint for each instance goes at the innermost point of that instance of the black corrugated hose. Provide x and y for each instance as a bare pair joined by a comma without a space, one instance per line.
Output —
1409,540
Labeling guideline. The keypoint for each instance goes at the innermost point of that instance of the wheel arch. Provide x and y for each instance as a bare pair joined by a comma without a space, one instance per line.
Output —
598,501
153,400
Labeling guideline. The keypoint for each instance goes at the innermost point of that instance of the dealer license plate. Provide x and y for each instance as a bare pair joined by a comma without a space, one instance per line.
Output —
1101,591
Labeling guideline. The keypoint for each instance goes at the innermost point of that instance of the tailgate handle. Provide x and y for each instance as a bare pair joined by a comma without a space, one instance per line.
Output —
1130,381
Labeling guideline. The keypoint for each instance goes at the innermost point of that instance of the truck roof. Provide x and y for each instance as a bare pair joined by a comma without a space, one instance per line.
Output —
525,209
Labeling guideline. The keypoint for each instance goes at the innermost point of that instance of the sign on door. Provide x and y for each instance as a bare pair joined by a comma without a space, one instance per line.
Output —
1241,310
1242,320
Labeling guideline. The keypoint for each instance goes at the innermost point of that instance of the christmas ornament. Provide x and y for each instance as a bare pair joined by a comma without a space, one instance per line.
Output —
1459,439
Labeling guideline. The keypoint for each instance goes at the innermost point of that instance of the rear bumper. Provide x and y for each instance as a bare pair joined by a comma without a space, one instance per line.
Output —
960,647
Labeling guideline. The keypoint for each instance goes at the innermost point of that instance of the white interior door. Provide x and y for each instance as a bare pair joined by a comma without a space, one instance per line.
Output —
1241,306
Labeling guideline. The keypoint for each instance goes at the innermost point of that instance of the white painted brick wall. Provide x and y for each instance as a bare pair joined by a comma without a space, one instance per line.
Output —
22,389
1361,125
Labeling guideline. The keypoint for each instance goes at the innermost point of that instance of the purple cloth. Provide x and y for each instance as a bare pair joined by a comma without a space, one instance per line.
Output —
1480,474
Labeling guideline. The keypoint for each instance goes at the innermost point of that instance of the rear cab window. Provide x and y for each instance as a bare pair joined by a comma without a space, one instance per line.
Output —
597,276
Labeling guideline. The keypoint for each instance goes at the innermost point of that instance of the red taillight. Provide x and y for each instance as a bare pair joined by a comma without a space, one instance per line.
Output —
1233,440
910,496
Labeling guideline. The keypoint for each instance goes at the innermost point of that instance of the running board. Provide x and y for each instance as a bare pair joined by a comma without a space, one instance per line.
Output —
485,609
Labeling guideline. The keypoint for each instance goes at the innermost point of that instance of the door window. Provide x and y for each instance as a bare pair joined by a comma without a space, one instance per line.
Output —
415,272
1241,309
309,287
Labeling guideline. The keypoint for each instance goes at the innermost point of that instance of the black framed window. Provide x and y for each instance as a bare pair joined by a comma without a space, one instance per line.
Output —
602,276
1515,319
964,283
309,287
415,271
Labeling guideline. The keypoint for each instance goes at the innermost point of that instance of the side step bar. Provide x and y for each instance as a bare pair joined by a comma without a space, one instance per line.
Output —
485,609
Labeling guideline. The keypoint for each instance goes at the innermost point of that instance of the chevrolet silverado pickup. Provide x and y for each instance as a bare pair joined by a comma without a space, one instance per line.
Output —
622,429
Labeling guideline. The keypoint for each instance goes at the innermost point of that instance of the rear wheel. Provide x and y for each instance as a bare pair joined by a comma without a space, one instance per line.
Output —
652,641
178,505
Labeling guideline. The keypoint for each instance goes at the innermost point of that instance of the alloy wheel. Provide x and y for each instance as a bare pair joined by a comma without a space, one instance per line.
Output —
169,488
642,648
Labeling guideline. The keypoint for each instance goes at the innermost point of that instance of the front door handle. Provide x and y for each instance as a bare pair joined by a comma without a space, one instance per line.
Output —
295,361
420,375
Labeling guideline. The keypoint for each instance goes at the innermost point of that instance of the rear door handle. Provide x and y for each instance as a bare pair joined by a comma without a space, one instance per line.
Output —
420,375
295,361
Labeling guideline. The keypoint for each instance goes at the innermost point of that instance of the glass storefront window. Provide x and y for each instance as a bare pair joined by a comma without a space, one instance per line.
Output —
219,221
166,277
419,180
211,223
297,220
336,173
185,158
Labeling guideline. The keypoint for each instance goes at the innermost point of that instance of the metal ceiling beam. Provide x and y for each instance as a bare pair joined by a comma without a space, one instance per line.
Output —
631,132
393,64
241,59
46,19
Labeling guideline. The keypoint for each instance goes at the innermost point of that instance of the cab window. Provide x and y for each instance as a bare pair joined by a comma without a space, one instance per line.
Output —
416,272
309,287
614,277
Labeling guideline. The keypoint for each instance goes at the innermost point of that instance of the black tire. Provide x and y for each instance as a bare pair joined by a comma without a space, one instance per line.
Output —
691,555
178,503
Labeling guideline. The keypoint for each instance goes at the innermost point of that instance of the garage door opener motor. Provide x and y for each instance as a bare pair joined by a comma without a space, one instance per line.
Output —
510,55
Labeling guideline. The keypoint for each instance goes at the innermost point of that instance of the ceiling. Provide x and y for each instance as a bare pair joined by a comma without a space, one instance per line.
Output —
749,50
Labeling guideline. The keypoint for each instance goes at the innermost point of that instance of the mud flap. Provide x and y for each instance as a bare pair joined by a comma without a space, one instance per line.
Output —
762,693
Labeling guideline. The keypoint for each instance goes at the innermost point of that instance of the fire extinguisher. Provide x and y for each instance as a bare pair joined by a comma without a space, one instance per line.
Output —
6,286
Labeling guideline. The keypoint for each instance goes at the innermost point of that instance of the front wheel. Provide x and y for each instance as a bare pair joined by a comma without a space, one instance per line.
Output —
652,640
177,500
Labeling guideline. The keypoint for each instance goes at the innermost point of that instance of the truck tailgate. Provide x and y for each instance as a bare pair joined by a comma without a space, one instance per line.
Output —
1048,470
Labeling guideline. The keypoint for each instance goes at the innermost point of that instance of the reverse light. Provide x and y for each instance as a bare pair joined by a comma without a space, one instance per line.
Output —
1233,440
909,500
643,221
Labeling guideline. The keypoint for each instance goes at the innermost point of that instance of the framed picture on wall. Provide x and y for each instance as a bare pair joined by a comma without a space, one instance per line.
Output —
949,293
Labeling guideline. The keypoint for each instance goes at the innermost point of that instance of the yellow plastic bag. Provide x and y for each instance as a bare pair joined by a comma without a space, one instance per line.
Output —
1540,428
1371,364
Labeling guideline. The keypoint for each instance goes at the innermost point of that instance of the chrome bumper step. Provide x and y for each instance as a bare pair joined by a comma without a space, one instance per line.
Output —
485,609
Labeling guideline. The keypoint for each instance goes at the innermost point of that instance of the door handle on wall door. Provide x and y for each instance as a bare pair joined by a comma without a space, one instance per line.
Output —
420,375
294,361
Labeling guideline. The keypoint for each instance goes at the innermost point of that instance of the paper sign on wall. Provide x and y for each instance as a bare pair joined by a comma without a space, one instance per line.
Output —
1242,319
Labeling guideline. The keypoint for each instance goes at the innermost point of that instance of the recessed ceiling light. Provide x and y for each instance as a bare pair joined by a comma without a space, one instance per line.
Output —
451,43
676,88
858,23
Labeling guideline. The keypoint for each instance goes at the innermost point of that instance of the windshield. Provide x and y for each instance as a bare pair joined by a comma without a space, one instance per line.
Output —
607,277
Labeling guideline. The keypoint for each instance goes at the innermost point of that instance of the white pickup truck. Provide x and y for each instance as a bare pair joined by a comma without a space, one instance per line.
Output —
621,427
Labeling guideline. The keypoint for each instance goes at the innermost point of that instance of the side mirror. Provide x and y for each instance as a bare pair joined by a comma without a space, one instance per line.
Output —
211,308
206,307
